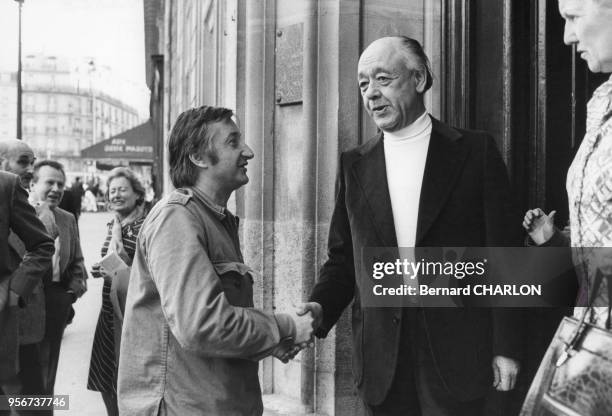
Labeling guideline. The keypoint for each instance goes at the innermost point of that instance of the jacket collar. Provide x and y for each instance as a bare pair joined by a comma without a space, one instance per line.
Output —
444,157
219,211
371,174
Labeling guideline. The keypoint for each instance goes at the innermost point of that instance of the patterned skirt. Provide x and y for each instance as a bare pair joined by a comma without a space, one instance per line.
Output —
103,366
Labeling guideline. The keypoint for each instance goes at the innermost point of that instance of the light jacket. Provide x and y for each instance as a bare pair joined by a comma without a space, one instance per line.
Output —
190,331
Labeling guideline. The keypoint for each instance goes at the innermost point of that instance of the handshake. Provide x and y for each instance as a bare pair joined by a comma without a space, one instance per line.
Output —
307,317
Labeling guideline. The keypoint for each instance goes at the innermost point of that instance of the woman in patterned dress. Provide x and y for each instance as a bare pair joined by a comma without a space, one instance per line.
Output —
125,195
589,179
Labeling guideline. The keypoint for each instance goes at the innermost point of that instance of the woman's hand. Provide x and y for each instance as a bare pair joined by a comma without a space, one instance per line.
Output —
539,226
98,271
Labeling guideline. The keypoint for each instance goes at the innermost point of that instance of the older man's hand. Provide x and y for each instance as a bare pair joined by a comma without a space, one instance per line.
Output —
303,328
315,309
505,372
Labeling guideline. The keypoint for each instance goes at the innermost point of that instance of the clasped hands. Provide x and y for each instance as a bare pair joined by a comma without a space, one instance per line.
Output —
307,317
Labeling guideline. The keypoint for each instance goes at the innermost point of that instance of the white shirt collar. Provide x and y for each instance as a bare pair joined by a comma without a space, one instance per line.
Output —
416,129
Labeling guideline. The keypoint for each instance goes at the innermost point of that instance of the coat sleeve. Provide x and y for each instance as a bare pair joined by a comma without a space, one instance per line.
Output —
503,229
76,274
38,244
192,297
336,285
558,239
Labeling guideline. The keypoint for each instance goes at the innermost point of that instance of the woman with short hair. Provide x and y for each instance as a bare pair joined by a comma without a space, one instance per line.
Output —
125,196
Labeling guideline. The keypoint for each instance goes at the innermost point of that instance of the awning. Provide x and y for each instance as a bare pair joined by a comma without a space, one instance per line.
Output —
136,144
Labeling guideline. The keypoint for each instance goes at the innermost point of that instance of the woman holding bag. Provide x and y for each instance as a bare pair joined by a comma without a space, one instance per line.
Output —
576,372
125,196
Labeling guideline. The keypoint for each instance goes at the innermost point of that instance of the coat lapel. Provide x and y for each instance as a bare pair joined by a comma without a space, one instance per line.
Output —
371,175
64,237
445,157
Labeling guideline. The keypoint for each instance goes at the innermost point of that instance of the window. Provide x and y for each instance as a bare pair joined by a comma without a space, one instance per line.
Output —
51,127
52,104
29,103
29,126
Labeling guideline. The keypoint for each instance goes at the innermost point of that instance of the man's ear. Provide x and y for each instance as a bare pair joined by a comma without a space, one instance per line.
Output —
420,79
198,160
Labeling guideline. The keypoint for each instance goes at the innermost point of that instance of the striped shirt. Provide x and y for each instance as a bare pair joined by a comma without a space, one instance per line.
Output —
103,365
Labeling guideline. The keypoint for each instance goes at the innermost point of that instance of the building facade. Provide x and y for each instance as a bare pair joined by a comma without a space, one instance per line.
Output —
63,109
8,104
288,69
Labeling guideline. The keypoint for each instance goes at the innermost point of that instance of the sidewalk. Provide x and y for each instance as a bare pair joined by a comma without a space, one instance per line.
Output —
78,338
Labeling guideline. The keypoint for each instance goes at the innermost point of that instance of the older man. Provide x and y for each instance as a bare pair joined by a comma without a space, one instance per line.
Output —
19,275
422,183
191,336
18,158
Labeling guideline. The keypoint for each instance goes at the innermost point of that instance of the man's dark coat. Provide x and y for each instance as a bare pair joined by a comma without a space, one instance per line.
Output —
464,201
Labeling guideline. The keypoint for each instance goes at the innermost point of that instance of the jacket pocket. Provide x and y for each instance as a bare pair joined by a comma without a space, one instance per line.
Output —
237,282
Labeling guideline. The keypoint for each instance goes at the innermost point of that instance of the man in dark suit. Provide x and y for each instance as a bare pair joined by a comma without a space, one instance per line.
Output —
18,158
65,282
418,183
71,201
17,283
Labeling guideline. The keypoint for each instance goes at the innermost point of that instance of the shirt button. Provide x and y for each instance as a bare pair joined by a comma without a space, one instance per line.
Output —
396,320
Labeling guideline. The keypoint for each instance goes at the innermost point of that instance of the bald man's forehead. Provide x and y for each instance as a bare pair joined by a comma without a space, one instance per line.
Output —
384,48
380,55
379,47
21,153
13,147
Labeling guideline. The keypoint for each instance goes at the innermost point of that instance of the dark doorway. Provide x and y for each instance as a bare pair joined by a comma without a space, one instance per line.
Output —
568,85
524,86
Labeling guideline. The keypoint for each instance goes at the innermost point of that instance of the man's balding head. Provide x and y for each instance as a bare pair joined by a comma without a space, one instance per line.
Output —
18,158
410,50
393,75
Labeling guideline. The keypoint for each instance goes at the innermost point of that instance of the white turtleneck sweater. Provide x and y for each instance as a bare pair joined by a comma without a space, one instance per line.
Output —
405,156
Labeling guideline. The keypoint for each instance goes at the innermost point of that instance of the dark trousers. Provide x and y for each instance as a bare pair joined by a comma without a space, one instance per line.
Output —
417,389
57,308
28,381
9,347
30,377
38,362
30,374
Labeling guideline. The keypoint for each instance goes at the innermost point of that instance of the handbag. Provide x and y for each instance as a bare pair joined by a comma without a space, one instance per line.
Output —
575,376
